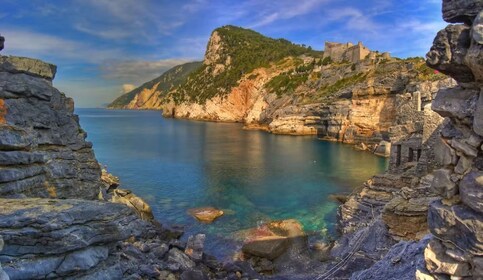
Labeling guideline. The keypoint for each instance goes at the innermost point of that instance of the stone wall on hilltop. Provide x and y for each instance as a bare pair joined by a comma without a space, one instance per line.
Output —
43,152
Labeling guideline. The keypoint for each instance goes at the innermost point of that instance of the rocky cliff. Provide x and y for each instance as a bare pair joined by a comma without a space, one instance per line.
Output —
150,95
59,218
289,89
43,152
433,187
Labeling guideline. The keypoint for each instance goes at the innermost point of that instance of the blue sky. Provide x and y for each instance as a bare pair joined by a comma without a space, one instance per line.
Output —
105,47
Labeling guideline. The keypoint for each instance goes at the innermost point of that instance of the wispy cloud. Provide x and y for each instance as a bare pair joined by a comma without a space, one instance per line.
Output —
283,10
19,41
138,71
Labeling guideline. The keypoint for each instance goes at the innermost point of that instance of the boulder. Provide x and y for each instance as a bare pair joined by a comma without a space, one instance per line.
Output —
437,262
272,239
477,29
471,190
206,214
401,262
461,11
194,247
442,183
62,237
458,224
448,53
43,149
30,66
180,260
478,117
455,102
136,203
110,181
2,42
383,149
269,247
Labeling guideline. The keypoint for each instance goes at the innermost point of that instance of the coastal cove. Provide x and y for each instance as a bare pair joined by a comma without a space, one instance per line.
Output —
253,176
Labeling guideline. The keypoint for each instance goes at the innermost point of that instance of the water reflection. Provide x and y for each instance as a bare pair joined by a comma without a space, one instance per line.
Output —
252,175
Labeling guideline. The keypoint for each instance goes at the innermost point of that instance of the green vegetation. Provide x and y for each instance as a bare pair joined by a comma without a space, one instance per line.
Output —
428,74
341,84
288,82
247,50
168,80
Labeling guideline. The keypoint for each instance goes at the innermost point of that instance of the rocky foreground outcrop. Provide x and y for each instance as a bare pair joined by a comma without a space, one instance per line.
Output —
456,221
43,152
435,182
59,218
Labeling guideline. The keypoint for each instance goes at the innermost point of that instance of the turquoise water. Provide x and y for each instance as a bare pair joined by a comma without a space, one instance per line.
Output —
254,176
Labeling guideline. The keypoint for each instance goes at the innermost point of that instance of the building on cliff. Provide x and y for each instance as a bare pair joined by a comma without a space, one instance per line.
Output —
339,52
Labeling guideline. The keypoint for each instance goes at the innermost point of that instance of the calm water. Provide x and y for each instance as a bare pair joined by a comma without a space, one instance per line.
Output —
254,176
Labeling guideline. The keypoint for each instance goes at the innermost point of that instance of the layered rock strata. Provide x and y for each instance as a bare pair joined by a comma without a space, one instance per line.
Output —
58,218
435,171
456,220
43,152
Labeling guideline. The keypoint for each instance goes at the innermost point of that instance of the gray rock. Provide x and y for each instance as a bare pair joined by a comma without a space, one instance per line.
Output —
37,268
180,259
194,247
461,11
458,224
82,260
455,103
471,190
34,67
478,118
466,149
442,183
20,158
160,251
12,138
51,227
149,271
464,164
193,274
444,154
478,267
400,263
477,29
438,262
448,52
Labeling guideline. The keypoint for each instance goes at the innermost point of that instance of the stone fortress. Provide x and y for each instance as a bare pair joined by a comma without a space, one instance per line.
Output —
340,52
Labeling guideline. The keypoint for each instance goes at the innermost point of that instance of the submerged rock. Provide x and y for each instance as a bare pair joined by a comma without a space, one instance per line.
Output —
273,239
206,214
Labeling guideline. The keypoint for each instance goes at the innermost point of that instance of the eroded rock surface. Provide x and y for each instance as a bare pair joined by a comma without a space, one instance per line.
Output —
43,152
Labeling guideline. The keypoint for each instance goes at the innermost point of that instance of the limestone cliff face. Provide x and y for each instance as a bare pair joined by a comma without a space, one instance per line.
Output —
434,184
303,94
43,152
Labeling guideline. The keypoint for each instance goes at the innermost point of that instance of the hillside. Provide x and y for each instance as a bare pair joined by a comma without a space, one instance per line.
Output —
348,93
148,95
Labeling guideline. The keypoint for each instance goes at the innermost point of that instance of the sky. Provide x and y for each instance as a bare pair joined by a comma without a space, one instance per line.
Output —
104,48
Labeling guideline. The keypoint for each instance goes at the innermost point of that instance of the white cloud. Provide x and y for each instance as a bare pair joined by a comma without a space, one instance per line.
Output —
25,42
283,10
127,88
138,71
353,19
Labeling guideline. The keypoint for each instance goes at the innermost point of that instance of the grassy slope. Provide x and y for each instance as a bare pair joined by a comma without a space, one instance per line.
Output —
248,50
